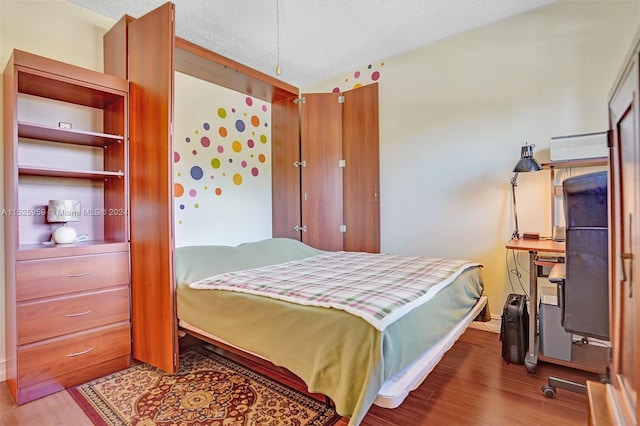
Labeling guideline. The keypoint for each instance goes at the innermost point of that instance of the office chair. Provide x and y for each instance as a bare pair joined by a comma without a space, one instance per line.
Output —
583,280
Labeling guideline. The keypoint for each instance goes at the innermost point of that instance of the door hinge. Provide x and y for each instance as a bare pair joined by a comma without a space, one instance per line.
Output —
341,99
342,163
300,163
343,228
298,228
299,100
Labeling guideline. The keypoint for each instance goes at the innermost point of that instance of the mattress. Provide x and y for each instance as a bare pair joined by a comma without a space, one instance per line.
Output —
334,352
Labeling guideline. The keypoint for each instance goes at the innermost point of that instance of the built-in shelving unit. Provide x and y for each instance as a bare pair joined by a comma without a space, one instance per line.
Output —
67,305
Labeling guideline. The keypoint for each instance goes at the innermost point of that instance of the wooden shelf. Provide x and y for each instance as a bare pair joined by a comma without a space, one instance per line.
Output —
44,251
587,357
71,136
578,162
67,173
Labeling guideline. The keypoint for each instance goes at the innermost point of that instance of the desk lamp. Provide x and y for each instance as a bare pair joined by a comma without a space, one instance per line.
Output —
63,211
526,163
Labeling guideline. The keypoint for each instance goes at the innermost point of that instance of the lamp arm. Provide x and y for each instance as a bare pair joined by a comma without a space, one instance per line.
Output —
516,232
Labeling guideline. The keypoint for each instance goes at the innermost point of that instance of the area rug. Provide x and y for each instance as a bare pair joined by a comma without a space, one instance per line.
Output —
209,389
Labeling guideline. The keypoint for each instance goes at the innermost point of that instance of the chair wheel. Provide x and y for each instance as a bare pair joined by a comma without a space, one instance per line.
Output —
548,391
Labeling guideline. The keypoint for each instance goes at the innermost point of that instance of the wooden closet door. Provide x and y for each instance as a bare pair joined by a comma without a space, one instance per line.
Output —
285,177
151,74
321,150
624,112
361,175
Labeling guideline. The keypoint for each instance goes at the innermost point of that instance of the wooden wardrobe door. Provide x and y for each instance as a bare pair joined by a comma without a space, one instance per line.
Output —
624,112
285,176
151,74
361,175
321,149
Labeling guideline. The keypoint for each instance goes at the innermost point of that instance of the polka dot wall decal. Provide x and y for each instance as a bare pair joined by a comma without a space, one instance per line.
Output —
233,110
178,190
264,108
355,86
254,171
196,205
196,172
194,152
262,158
237,179
255,121
205,141
356,74
187,139
218,191
263,138
206,126
222,113
250,143
220,149
375,75
181,206
176,157
240,126
236,146
215,163
193,192
249,101
222,131
336,90
244,164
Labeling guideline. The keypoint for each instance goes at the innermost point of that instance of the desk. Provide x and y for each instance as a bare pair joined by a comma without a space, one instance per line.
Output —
552,248
586,357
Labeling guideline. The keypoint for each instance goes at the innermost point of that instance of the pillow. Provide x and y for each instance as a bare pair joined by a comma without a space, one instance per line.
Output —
194,263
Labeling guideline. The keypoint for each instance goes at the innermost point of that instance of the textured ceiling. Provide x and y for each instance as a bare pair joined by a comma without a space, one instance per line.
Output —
319,39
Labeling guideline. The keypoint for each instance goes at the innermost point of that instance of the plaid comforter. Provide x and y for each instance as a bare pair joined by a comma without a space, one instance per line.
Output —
380,288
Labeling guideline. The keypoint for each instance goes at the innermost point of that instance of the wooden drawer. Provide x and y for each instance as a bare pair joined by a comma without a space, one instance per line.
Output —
52,358
61,275
47,318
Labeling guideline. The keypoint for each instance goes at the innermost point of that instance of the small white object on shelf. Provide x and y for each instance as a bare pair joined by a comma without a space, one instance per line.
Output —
64,211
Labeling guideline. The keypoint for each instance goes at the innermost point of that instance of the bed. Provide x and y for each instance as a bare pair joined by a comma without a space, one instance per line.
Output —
352,358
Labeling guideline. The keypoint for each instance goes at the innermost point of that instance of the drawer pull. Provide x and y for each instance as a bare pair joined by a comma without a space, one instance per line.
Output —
78,314
81,274
86,351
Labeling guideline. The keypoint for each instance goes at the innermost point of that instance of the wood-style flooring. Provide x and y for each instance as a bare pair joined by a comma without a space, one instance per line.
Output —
471,385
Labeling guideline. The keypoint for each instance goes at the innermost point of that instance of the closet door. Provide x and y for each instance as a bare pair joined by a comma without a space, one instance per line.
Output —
624,116
361,174
151,73
321,181
285,177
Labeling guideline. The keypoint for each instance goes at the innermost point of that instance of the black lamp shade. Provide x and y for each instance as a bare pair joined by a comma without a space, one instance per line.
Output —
527,163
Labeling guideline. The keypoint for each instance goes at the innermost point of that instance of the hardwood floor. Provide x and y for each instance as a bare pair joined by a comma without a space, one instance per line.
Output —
471,385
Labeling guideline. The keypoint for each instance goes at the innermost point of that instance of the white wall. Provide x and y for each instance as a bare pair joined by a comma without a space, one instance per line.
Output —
454,114
222,165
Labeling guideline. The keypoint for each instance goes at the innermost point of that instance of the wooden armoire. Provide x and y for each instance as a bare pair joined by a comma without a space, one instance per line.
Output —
617,403
147,53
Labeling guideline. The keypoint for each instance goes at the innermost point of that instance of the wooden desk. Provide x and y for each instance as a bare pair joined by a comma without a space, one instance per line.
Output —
552,248
587,357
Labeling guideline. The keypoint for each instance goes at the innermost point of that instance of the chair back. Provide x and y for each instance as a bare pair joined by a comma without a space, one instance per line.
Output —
585,298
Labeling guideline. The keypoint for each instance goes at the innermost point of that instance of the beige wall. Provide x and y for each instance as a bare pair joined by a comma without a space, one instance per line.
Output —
56,29
454,114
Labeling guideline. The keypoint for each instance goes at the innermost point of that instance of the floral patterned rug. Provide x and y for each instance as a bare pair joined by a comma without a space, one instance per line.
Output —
209,389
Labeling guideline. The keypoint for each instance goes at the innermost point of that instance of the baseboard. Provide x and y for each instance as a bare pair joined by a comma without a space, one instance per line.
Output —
3,369
492,326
